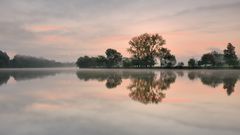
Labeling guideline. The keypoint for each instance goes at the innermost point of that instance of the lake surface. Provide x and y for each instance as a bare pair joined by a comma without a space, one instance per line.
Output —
119,102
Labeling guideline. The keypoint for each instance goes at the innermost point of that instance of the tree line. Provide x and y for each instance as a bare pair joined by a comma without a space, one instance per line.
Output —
21,61
228,58
112,59
147,49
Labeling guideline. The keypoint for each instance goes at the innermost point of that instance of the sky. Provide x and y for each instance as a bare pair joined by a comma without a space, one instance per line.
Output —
67,29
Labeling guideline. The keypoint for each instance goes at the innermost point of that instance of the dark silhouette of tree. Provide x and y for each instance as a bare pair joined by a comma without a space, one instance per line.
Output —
208,59
136,62
113,57
86,62
127,62
91,62
101,61
171,61
149,60
212,59
192,63
180,65
164,52
20,61
166,58
4,59
145,48
230,55
218,59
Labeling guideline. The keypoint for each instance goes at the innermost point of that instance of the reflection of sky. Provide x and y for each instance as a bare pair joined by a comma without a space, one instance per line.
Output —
63,104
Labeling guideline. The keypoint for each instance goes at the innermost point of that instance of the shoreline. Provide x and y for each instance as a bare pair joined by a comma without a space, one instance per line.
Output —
174,68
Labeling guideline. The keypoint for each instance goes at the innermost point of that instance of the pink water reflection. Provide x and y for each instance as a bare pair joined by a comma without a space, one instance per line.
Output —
126,101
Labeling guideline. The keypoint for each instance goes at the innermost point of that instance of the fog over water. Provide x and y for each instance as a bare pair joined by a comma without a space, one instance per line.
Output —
116,102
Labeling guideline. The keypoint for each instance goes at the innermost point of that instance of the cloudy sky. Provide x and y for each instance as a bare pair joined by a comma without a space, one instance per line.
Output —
66,29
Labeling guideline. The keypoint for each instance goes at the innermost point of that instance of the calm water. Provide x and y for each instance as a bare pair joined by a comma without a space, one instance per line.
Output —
119,102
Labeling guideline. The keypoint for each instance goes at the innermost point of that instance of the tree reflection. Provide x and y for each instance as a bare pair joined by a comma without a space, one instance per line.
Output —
211,79
145,87
113,79
192,75
4,77
180,73
166,79
149,89
29,75
229,84
216,78
21,75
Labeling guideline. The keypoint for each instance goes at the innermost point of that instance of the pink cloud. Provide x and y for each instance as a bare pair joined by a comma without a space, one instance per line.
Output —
45,107
56,39
44,28
115,38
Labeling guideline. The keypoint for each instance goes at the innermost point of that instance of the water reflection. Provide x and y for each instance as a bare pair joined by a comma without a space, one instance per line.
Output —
59,99
4,77
145,87
180,73
216,78
149,88
113,79
24,75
